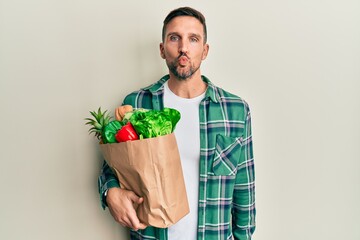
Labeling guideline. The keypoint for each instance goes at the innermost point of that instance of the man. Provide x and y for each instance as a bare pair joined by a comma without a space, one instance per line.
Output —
214,140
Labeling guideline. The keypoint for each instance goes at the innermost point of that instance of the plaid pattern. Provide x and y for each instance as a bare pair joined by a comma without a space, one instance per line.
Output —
226,189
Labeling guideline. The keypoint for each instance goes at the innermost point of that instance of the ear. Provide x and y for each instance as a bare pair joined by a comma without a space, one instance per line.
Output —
162,51
205,51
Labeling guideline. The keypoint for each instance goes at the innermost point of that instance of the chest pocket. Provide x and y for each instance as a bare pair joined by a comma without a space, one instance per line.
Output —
226,155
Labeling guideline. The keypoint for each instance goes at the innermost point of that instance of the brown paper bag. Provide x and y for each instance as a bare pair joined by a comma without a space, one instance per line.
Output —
152,169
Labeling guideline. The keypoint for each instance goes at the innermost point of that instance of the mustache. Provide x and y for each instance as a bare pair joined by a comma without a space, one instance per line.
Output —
183,55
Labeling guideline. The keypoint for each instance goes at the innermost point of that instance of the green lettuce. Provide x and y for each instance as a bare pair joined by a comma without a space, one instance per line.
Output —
154,123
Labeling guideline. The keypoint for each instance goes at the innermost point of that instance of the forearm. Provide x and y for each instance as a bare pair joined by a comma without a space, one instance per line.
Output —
244,210
106,180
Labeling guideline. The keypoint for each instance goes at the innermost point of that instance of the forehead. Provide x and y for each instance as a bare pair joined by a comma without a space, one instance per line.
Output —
185,25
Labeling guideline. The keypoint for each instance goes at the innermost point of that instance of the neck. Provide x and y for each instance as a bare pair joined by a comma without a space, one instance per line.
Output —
187,88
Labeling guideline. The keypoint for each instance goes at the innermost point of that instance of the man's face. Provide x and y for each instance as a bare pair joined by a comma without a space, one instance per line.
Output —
183,47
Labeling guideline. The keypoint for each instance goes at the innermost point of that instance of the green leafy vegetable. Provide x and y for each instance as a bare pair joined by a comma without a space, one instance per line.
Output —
110,130
154,123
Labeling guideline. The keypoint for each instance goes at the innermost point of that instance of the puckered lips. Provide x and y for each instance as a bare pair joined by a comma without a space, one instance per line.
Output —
183,60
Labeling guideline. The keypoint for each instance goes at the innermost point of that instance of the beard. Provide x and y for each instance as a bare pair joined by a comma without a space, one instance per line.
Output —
182,74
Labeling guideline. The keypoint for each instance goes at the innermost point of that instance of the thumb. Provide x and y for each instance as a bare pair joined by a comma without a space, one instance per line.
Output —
140,200
133,197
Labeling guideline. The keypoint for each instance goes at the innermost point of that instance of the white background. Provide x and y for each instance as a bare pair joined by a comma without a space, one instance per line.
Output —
297,63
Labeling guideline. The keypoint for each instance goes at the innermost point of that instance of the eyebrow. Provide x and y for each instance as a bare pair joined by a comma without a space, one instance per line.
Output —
191,34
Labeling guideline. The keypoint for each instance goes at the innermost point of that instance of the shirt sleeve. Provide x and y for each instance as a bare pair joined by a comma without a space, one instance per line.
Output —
107,179
244,211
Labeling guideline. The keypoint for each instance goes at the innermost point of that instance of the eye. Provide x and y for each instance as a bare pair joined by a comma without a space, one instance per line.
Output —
194,39
174,38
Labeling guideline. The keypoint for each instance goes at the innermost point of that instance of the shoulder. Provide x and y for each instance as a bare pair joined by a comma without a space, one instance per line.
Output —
232,106
227,98
236,106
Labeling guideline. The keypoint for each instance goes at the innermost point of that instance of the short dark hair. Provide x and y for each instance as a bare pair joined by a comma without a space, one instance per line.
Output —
184,11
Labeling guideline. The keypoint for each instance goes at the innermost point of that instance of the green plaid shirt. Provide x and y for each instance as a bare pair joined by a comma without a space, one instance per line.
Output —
226,188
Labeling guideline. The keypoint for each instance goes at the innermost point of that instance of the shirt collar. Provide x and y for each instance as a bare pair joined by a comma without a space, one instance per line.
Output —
211,91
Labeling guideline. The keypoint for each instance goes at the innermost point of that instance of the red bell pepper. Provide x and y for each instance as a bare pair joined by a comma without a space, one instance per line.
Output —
126,133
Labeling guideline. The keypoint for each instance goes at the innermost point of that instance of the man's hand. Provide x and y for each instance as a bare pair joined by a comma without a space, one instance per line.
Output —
122,204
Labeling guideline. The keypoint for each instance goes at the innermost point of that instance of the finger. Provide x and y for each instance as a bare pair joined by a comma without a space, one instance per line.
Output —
122,221
134,220
117,114
133,197
126,223
136,224
140,200
142,226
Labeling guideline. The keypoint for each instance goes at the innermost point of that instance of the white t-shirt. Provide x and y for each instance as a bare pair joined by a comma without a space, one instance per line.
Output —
187,133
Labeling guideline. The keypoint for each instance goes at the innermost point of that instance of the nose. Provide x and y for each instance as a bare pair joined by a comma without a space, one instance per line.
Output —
183,46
